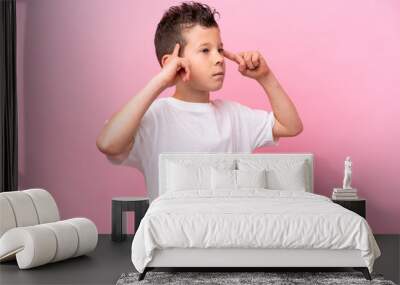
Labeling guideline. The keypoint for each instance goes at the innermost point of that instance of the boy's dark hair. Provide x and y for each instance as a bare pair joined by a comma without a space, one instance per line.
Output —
175,20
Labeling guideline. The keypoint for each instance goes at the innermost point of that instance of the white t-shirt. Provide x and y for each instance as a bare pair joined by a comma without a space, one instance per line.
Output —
173,125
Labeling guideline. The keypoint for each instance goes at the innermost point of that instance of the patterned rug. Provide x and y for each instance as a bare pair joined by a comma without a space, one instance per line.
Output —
270,278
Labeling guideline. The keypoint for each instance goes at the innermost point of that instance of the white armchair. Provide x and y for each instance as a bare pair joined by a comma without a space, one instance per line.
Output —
31,231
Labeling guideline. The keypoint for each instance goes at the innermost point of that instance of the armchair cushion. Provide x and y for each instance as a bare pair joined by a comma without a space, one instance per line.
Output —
45,243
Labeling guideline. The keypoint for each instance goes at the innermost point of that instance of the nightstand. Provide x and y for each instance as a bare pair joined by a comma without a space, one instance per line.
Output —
121,205
358,206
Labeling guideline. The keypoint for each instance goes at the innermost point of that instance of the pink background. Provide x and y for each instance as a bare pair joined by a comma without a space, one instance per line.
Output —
81,61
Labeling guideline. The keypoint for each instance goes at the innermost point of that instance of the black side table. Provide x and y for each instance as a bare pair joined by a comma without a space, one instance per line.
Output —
121,205
357,206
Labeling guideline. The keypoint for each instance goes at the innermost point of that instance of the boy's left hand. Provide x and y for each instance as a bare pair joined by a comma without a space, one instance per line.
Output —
251,63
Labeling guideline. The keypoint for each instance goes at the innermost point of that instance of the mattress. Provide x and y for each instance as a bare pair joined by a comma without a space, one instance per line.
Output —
250,218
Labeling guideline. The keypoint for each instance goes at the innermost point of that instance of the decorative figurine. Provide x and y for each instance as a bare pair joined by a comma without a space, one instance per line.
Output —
347,174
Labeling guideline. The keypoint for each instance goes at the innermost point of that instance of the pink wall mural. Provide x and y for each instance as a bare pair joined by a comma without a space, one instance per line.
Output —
81,61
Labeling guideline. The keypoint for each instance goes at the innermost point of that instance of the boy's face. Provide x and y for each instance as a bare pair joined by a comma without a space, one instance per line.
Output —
205,54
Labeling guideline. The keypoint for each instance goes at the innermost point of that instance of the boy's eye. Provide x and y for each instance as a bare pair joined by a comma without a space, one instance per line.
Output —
206,50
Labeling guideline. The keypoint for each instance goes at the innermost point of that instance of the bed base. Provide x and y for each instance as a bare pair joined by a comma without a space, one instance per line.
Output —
244,259
364,270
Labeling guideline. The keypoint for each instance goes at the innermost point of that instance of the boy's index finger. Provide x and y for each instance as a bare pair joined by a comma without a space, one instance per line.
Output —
176,50
231,56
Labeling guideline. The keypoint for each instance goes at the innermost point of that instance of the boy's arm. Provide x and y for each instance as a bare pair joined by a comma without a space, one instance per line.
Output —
117,136
253,65
288,122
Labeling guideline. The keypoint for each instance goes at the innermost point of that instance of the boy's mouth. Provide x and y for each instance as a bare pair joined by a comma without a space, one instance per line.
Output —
218,73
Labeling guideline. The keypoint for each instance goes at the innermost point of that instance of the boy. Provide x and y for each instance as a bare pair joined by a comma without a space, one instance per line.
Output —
189,50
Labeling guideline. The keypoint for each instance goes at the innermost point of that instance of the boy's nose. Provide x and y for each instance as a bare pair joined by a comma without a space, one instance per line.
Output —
219,59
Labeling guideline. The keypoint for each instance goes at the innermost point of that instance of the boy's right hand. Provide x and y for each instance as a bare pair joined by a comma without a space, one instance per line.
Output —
175,67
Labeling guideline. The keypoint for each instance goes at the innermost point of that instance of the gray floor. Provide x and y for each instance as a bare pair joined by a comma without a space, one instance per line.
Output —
111,259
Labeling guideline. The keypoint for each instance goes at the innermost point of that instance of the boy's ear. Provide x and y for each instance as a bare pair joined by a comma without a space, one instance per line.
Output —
164,59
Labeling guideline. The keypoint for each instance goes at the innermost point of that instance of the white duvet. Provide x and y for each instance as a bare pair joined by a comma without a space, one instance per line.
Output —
250,218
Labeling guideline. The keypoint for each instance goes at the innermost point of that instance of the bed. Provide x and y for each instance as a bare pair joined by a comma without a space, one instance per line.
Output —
241,210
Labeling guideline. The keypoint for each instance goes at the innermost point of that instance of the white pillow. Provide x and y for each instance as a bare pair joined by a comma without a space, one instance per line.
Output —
183,177
189,174
223,179
251,178
287,179
237,179
282,174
